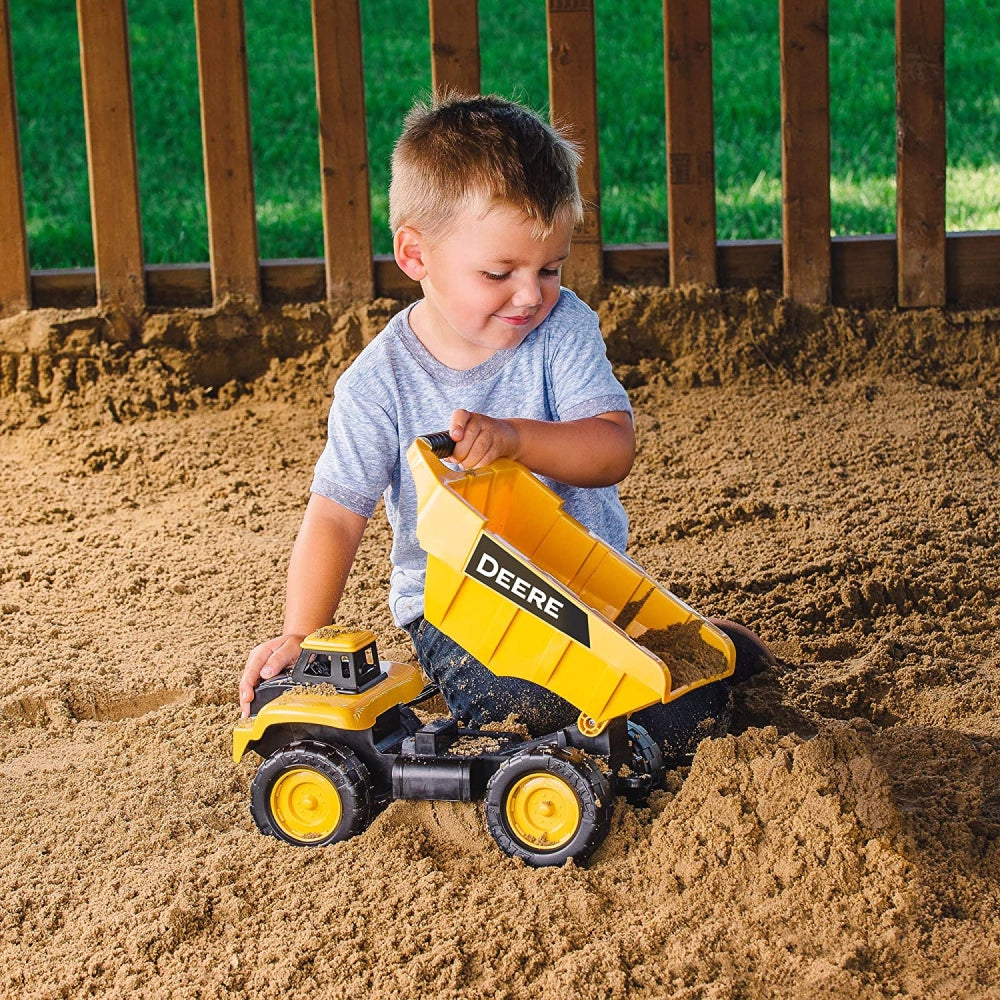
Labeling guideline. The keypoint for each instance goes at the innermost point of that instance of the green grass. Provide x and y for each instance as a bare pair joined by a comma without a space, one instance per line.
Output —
631,108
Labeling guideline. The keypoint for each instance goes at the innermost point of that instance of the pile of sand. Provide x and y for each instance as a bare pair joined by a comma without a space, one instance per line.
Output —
828,478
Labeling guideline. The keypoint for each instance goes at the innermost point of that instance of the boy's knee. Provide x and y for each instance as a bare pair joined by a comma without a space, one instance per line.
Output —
496,700
680,725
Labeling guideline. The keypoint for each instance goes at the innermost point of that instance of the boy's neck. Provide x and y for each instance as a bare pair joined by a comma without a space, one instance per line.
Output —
459,355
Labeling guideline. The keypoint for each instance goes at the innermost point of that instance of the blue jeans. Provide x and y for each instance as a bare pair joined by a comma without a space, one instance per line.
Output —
474,694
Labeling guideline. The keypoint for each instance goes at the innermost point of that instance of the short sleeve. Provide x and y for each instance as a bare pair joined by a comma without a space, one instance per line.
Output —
358,462
581,381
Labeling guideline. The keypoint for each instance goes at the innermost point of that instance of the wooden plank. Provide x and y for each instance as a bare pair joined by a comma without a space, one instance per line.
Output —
972,262
805,148
637,264
114,176
64,289
863,272
455,61
225,127
573,103
343,149
750,264
15,271
391,282
284,281
179,286
920,151
741,264
687,59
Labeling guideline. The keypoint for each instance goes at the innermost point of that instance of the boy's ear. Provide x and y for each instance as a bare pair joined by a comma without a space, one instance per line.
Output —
407,249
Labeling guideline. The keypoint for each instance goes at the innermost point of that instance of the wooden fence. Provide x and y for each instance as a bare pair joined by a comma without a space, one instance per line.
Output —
920,266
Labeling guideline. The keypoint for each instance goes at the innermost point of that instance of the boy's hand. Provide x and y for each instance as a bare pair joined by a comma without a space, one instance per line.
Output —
265,661
480,439
589,451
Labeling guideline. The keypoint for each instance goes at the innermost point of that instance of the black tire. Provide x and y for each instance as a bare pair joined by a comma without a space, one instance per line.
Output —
548,805
310,794
647,761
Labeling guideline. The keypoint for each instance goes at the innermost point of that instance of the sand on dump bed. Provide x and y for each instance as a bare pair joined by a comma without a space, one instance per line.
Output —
828,478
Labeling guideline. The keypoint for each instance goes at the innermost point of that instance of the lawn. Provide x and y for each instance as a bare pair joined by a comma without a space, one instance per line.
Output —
396,49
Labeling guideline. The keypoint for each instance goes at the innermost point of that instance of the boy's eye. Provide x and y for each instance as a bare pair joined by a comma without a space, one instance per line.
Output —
545,272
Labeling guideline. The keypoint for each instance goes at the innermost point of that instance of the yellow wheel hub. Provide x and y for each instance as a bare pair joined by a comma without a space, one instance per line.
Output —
543,811
306,804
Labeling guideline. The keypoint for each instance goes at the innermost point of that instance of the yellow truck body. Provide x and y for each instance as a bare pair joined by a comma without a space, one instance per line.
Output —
532,593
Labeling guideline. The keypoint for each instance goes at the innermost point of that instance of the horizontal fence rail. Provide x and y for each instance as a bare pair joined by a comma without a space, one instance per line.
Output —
918,267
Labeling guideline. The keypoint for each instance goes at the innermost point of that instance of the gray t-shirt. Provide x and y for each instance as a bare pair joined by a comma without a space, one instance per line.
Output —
395,390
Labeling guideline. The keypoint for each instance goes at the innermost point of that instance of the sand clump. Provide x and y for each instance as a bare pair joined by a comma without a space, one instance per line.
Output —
688,657
826,477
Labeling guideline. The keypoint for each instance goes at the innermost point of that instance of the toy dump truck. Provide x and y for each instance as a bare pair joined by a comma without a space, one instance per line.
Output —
532,594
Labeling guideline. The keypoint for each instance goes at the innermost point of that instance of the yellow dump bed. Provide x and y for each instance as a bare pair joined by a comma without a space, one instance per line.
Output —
530,592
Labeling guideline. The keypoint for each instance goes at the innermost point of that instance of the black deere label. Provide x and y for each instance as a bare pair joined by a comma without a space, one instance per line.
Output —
508,576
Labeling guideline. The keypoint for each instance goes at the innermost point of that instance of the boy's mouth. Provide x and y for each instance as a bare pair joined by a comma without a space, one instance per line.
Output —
515,320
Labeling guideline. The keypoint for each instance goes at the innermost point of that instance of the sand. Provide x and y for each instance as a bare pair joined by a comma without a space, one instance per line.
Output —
828,478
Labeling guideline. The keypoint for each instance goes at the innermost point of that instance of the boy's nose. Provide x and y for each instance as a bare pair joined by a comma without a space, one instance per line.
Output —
528,293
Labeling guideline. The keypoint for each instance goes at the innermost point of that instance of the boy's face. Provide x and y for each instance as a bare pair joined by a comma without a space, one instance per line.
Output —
487,282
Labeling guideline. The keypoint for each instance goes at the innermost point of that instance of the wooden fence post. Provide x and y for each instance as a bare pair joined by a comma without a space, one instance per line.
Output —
111,154
15,271
805,149
921,154
225,127
455,61
343,150
687,56
573,103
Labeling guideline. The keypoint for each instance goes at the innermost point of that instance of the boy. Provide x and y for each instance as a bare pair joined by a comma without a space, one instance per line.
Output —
482,205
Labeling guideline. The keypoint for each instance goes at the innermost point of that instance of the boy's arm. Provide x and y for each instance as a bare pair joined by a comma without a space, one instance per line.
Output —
593,451
321,559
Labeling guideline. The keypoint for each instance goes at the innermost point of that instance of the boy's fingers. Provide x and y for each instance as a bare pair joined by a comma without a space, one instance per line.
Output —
267,668
475,438
459,420
246,694
255,662
274,664
248,681
281,655
258,666
486,439
480,451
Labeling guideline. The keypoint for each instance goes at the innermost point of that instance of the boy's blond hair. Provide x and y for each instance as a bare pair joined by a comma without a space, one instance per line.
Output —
461,152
